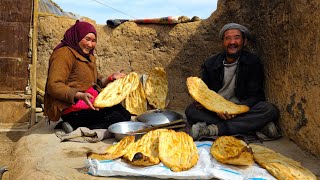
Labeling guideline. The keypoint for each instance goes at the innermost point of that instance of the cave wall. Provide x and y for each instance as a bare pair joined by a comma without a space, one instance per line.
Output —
285,35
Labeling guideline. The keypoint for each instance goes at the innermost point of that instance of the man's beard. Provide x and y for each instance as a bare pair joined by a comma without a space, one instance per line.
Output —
234,55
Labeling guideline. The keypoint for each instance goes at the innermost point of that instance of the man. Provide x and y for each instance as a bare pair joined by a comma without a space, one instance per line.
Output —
238,76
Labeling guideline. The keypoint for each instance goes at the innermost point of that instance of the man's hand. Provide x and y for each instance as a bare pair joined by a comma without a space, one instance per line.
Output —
86,98
226,116
198,105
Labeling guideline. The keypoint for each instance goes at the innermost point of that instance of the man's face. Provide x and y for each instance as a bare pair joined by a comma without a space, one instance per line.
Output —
233,43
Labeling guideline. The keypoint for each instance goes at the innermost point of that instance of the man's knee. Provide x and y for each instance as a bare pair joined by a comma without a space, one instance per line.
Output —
274,111
270,110
190,112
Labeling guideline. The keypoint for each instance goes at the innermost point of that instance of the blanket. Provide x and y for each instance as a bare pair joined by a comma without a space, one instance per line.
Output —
83,134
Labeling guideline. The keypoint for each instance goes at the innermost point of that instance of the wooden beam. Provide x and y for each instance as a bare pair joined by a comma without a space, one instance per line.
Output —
33,75
15,96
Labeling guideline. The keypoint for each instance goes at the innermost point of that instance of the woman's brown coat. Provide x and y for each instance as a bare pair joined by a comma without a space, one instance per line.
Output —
68,73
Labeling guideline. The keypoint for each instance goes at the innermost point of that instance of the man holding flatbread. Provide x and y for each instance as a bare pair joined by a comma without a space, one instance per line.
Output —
237,75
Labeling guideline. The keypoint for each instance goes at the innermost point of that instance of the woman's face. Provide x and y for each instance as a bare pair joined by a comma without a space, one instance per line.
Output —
88,43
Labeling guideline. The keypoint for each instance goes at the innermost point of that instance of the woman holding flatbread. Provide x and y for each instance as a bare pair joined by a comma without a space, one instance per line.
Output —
73,83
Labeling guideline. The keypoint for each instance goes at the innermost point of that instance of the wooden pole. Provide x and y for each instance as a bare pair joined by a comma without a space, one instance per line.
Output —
33,69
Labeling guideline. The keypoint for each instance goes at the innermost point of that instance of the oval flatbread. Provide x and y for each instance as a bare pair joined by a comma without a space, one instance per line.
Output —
117,91
145,151
230,150
177,151
157,88
115,151
136,101
278,165
211,100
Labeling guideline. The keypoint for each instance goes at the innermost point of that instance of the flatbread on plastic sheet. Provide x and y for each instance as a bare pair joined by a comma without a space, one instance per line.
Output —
177,151
280,166
211,100
145,151
230,150
157,88
117,91
136,101
115,151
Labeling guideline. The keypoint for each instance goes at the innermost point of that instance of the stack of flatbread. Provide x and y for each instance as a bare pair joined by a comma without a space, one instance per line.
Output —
230,150
279,166
133,92
211,100
145,151
176,150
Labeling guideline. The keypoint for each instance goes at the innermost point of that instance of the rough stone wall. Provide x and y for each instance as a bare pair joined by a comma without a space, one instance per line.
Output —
285,35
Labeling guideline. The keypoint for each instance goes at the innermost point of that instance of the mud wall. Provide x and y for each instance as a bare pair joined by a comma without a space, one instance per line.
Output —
287,39
285,35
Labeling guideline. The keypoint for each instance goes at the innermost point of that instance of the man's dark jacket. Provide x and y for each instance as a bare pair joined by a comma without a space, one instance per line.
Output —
249,80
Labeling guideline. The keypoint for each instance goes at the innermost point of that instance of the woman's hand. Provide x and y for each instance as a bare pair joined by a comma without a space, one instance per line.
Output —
112,77
118,75
86,98
226,116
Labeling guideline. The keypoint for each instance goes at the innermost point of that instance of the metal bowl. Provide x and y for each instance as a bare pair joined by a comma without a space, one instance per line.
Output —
159,116
122,129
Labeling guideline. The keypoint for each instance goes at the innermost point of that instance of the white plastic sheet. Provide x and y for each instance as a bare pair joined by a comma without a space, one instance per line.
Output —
206,168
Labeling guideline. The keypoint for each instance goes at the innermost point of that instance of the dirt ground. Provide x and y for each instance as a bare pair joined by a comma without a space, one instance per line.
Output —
8,139
39,153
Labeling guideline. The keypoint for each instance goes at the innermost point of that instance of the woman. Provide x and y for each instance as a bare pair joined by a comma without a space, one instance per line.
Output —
73,82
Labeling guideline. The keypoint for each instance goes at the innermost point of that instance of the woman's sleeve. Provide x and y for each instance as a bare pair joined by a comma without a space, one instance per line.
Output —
59,71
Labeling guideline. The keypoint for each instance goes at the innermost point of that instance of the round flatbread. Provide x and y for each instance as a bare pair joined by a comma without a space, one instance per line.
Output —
115,151
230,150
136,101
211,100
117,91
157,88
177,151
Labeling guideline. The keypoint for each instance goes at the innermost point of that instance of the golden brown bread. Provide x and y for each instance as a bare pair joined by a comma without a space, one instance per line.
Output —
115,151
177,151
136,101
211,100
230,150
157,88
116,91
145,151
281,167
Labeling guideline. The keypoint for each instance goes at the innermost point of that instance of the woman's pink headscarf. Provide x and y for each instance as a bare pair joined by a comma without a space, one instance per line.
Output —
75,34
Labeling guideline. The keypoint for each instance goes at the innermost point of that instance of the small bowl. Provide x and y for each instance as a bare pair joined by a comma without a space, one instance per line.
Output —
123,129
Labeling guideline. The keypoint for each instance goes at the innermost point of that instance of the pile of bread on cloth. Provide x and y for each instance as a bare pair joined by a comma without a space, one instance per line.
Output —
177,150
